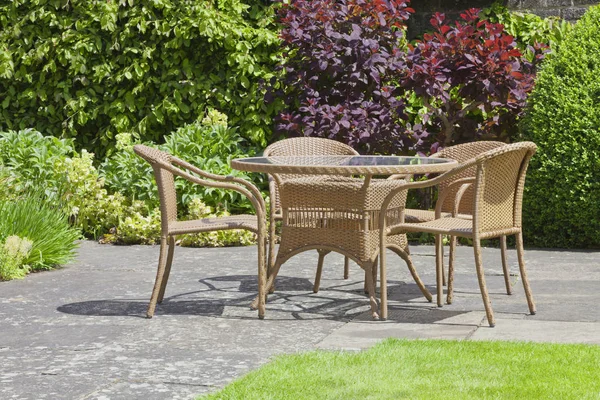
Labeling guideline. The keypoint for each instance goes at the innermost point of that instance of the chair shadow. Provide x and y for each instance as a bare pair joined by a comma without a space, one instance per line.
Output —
292,300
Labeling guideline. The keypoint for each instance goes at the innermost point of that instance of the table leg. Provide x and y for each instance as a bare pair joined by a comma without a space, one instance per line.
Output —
371,288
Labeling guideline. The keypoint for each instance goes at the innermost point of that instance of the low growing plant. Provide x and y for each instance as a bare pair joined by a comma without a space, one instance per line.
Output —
47,227
29,159
137,228
13,252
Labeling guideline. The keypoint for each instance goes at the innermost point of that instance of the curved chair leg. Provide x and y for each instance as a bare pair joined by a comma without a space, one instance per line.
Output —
373,277
165,278
162,262
270,283
262,272
444,282
271,259
411,267
383,308
322,254
439,272
346,267
450,289
482,286
520,255
374,273
505,265
371,290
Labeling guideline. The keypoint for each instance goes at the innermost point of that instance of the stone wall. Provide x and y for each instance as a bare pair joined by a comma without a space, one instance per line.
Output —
570,10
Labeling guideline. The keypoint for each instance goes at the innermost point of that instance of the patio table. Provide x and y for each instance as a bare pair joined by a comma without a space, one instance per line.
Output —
325,208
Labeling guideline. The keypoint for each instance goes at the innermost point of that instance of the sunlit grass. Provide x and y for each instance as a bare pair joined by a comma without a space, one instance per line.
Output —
426,369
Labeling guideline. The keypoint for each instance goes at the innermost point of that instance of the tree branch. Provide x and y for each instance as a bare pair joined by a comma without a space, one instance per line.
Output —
449,128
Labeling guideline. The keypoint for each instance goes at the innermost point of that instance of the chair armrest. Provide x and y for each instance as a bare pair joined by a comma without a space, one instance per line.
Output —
459,194
220,181
406,177
421,184
462,185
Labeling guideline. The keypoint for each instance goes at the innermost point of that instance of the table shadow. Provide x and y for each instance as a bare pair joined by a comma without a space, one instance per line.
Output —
293,300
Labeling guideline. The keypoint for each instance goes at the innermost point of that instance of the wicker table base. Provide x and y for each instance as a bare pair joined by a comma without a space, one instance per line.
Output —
322,208
341,214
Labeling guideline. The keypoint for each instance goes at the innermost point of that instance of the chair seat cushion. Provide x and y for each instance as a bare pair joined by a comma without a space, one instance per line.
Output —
249,222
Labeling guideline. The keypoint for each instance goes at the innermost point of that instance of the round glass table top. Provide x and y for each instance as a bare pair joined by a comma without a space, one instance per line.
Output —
343,165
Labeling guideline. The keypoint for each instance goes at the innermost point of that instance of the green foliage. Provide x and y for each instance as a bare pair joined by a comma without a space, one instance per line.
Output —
8,188
91,69
138,228
87,201
128,213
31,217
208,144
49,167
30,157
561,204
529,29
13,252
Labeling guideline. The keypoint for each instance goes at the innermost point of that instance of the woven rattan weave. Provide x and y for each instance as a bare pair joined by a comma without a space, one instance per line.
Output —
459,200
166,167
497,186
300,146
327,210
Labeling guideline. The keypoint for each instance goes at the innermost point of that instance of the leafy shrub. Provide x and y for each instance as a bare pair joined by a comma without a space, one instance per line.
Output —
561,204
529,29
12,253
138,228
53,240
66,180
8,189
91,69
86,200
206,143
471,79
29,158
340,58
127,213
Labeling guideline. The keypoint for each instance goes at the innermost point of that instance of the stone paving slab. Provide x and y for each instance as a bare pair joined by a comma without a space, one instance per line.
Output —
80,332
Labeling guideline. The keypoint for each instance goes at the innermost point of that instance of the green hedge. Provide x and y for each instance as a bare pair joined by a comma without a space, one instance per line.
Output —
562,198
89,69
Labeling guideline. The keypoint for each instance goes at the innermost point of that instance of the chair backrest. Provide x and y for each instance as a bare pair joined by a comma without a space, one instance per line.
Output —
462,153
500,180
303,146
308,146
165,181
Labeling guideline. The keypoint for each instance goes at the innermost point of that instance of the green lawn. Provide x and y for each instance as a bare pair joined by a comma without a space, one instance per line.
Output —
428,369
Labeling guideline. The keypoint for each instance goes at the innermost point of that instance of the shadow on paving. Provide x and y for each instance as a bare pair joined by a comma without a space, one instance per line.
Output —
293,300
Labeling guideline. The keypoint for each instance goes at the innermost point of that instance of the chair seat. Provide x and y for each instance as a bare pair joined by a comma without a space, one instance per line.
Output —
445,226
249,222
413,215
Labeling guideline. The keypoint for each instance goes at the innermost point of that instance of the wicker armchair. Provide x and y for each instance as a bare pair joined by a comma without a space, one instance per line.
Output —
497,188
300,146
459,200
166,167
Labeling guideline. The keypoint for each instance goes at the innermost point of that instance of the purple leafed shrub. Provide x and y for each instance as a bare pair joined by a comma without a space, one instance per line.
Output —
339,64
346,77
472,80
